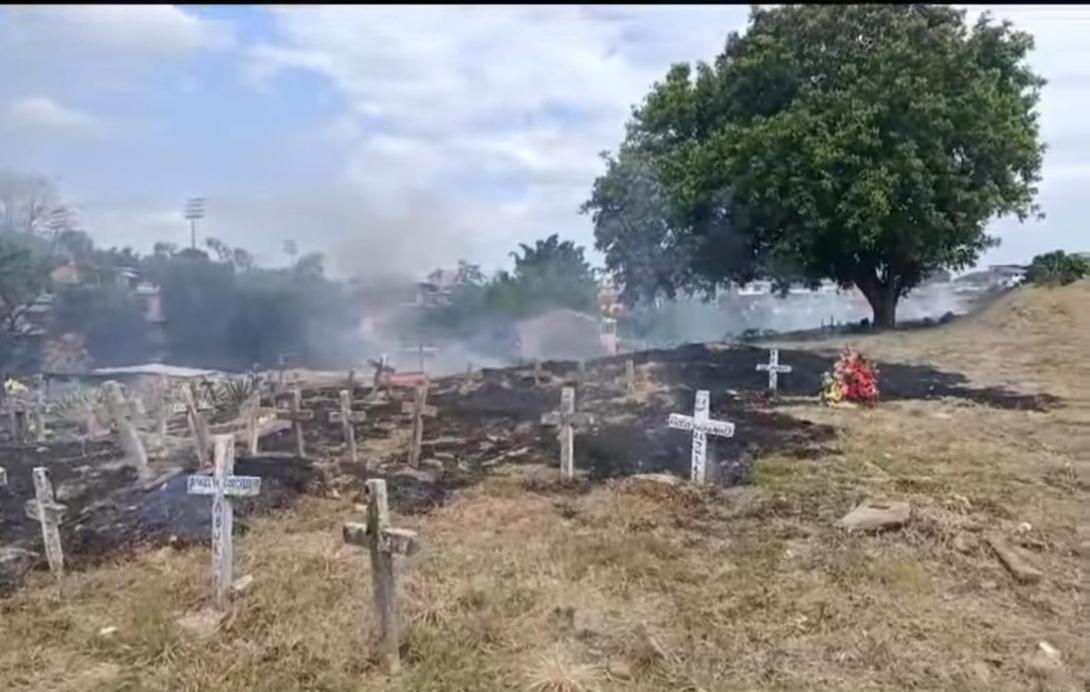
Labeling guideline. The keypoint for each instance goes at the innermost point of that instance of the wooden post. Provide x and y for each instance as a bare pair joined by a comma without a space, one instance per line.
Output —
162,409
347,417
629,375
47,512
250,411
128,438
701,426
222,486
198,427
297,415
418,409
565,419
383,542
3,477
537,372
39,415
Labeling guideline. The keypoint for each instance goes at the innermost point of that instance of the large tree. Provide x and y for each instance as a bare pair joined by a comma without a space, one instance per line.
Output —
867,144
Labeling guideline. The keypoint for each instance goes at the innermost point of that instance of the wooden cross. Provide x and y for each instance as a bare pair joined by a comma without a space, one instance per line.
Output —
346,417
46,511
250,410
702,426
128,438
382,369
222,485
198,427
774,369
418,409
297,415
421,349
384,542
629,375
565,419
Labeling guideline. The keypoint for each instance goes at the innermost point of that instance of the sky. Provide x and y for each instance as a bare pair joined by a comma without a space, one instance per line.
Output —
398,139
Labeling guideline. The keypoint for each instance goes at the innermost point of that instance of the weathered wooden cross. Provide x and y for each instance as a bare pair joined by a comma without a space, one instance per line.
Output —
422,351
46,511
382,370
565,419
296,415
702,426
222,485
198,427
129,440
418,409
384,542
346,417
774,369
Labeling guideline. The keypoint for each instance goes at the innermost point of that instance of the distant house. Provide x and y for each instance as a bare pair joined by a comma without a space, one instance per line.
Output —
560,334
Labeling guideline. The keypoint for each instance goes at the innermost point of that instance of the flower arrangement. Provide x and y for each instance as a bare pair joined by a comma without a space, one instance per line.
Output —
853,379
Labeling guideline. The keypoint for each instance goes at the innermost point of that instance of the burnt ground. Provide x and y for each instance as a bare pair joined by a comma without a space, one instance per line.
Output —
492,420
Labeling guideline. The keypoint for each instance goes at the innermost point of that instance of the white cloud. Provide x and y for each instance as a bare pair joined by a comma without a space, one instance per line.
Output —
41,114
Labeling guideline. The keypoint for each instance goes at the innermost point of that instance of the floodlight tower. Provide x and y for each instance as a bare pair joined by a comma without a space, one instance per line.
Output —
194,209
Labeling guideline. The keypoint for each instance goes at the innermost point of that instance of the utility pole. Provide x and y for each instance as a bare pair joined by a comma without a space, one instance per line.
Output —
194,209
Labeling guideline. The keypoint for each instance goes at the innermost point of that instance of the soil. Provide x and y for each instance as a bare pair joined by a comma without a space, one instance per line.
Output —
492,419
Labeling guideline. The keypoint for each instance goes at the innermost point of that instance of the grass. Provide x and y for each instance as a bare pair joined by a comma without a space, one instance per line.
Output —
637,586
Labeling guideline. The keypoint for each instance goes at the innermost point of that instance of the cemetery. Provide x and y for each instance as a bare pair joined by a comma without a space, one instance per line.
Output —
613,443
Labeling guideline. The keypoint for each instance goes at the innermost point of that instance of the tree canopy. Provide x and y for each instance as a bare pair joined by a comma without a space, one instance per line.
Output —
867,144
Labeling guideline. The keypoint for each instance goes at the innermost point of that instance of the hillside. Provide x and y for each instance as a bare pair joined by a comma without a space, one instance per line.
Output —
614,583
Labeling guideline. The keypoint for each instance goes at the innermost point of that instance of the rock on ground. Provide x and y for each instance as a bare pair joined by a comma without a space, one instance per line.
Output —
875,515
1015,560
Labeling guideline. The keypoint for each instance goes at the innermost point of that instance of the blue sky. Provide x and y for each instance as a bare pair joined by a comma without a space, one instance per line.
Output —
396,139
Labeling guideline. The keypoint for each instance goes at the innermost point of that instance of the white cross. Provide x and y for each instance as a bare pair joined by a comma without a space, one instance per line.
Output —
297,415
418,409
222,486
384,542
565,419
774,368
128,438
702,426
346,417
46,511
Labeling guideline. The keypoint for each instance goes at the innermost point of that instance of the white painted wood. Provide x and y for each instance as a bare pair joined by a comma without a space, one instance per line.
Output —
347,418
565,419
774,369
128,439
418,409
701,426
296,414
383,543
47,512
222,486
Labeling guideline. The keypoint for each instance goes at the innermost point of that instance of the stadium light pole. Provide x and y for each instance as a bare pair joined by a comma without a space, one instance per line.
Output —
194,209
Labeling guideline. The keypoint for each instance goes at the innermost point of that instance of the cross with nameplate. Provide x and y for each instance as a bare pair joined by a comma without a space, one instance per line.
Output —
774,369
565,419
701,426
418,409
383,542
49,513
346,417
296,415
222,485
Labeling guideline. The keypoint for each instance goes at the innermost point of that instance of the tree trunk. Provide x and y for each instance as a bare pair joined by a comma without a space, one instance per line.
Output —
883,302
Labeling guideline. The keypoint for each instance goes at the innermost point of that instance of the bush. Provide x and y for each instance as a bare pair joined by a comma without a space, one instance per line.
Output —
1057,269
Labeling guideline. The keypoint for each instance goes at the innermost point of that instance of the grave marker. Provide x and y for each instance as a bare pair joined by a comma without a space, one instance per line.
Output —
537,372
418,409
565,419
128,438
162,390
222,486
249,411
629,375
47,512
774,369
39,414
383,542
380,379
701,426
198,427
346,417
297,415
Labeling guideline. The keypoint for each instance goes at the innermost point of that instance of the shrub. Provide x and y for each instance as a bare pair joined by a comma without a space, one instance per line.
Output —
1057,269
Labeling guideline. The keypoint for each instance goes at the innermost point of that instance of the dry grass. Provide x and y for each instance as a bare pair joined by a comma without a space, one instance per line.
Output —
642,587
